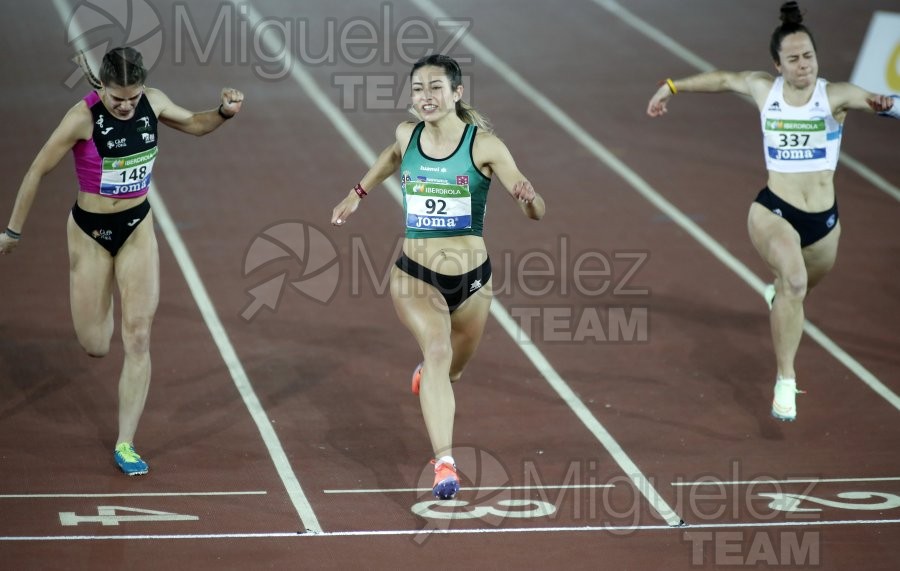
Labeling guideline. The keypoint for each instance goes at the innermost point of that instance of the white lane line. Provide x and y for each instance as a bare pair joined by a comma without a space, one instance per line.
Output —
235,367
468,489
762,481
612,529
219,335
132,495
654,34
367,155
575,130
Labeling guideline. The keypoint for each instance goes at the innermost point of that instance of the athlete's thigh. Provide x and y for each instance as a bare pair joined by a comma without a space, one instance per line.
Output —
468,321
91,272
467,327
820,257
776,241
137,273
420,307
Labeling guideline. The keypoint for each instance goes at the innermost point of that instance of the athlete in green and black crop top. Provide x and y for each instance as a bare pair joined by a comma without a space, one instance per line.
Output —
441,284
443,197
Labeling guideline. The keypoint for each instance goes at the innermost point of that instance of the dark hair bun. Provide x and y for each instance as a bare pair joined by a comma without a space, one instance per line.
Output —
790,13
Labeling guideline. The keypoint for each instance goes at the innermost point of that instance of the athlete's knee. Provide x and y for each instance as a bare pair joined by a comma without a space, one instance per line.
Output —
95,345
136,335
438,352
794,285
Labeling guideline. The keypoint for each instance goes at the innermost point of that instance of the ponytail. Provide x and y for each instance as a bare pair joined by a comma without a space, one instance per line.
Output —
471,115
86,69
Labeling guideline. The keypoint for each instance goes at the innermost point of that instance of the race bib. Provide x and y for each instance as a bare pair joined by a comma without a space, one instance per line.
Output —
437,206
126,175
795,140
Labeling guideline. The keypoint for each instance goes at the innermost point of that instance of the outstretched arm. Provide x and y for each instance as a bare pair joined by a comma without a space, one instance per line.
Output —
847,96
74,126
756,84
201,122
385,165
493,153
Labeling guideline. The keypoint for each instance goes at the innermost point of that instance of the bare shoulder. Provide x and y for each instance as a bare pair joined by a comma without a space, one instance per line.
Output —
405,129
158,100
843,90
488,145
761,79
78,121
759,82
403,133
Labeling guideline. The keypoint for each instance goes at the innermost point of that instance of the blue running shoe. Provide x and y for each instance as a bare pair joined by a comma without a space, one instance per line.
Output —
446,482
129,461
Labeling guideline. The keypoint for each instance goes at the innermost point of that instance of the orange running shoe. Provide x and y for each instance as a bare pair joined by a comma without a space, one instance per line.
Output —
446,482
417,379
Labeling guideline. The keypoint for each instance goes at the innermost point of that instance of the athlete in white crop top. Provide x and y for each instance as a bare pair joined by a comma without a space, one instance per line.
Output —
793,223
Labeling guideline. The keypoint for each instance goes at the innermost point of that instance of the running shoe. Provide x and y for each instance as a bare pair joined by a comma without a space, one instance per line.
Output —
417,379
446,482
784,404
129,461
769,294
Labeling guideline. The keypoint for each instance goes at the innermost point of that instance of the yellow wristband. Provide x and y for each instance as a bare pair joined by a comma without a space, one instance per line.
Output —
671,85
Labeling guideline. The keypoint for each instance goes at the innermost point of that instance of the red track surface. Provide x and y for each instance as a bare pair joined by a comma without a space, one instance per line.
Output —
690,402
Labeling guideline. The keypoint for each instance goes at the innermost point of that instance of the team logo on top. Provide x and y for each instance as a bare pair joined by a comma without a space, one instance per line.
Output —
462,179
775,107
143,124
148,137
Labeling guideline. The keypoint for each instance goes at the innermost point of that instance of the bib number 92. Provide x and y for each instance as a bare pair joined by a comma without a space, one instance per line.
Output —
435,206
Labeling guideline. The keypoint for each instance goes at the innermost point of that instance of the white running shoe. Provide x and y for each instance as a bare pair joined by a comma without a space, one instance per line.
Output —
784,404
769,294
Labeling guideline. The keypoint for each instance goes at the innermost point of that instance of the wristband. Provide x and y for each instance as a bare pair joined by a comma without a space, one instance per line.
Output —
13,234
671,85
360,192
222,113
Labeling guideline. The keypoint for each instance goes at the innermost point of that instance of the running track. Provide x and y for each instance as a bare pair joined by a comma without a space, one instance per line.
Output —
290,440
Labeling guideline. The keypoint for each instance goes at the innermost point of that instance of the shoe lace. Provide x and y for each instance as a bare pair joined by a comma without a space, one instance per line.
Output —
443,469
126,451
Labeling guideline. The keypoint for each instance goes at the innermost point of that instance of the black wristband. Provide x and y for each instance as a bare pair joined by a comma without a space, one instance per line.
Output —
222,113
13,234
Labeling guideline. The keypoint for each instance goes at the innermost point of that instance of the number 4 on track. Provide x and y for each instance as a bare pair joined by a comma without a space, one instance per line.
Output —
109,515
